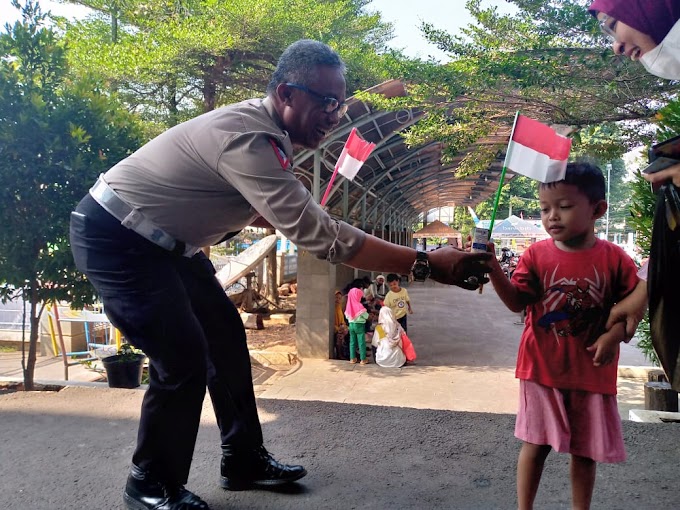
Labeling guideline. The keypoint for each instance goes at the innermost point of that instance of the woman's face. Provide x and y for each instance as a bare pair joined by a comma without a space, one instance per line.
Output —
628,41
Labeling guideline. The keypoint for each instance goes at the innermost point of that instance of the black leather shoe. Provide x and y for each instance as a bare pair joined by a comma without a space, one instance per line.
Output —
144,493
252,468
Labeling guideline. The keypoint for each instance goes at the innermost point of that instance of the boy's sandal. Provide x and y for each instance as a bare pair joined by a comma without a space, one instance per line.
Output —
364,362
353,361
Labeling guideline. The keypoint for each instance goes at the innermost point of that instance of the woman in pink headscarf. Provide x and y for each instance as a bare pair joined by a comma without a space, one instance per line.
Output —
356,316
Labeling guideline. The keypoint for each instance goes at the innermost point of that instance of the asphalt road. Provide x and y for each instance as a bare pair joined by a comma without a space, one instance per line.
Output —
71,449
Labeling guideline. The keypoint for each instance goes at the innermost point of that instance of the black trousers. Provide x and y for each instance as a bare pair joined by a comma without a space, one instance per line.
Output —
404,322
174,309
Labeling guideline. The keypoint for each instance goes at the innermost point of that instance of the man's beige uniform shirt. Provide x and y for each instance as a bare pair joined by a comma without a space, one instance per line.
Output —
216,173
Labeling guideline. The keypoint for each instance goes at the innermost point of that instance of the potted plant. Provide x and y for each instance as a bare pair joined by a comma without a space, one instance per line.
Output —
124,370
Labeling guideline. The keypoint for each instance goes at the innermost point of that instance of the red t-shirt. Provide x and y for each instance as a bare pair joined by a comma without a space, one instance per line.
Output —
574,292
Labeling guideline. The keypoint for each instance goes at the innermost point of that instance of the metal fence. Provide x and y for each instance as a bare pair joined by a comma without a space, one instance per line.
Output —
11,314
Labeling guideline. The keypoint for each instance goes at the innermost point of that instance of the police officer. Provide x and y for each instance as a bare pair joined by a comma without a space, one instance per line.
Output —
136,237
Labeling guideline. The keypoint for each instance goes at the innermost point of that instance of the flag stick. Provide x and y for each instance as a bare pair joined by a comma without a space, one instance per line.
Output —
328,188
497,199
502,177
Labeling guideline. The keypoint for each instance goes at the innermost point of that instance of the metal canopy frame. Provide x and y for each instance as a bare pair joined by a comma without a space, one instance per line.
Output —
397,183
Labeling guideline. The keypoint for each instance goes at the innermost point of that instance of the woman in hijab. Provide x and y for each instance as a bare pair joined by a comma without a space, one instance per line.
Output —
356,316
389,353
644,30
649,31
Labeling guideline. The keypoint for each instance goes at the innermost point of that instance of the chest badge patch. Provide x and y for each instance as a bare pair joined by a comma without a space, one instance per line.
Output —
280,154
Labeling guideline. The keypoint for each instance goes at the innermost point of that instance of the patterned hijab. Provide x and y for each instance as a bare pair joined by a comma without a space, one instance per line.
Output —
652,17
354,307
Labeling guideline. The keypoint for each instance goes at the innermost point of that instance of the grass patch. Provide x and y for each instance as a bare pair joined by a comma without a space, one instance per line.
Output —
7,348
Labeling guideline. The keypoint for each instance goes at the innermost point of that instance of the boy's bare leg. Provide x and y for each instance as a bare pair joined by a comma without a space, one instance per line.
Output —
529,470
583,472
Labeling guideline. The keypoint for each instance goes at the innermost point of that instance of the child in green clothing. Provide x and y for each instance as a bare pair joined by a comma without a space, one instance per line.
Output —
356,315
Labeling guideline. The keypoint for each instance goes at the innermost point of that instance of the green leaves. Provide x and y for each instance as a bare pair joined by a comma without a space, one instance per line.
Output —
171,61
56,136
547,60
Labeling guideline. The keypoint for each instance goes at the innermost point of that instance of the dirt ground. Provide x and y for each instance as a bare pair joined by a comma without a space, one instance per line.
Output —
274,337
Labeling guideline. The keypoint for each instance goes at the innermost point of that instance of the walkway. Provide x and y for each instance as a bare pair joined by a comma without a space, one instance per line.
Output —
466,344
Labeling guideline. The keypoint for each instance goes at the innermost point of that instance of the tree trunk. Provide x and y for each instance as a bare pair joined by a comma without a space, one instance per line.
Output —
29,368
212,76
173,105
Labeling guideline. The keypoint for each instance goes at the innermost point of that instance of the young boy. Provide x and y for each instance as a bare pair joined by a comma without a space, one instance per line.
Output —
568,371
397,299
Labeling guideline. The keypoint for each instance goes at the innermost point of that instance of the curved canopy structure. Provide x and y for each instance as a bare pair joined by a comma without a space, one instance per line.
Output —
397,183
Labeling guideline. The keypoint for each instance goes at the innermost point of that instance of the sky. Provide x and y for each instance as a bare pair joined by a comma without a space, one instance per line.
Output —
405,15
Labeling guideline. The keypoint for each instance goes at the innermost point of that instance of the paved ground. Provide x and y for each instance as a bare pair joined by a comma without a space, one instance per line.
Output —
467,346
435,435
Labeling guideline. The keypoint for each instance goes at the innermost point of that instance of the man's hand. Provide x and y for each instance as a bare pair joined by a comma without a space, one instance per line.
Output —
455,267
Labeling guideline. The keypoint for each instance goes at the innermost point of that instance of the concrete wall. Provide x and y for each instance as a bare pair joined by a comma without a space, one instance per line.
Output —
317,282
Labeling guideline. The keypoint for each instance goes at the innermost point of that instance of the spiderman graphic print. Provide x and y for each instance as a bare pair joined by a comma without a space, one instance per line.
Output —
575,308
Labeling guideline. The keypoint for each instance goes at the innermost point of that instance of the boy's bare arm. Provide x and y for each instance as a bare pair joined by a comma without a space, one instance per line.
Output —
511,297
631,310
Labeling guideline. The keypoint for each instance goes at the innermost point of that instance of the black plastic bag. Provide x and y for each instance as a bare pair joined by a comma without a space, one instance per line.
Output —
663,283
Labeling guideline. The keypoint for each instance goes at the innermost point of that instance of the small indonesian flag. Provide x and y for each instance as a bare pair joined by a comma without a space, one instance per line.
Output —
537,151
353,155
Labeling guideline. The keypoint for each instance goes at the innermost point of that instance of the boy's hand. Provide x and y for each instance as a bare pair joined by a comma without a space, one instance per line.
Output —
630,310
495,265
606,346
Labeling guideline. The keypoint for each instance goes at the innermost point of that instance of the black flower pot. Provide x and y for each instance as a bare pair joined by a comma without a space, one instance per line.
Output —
124,370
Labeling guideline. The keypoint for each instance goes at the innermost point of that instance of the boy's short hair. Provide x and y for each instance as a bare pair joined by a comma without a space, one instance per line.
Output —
392,277
587,177
357,283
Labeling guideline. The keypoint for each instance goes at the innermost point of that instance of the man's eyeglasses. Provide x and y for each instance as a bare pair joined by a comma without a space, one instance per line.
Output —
330,104
608,26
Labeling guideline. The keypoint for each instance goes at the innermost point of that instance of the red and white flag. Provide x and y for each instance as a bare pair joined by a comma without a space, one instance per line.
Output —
537,151
353,155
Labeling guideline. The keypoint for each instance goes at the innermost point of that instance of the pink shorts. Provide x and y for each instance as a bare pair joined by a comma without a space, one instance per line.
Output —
570,421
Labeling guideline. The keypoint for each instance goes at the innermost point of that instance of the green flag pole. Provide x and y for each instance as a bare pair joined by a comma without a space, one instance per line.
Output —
497,199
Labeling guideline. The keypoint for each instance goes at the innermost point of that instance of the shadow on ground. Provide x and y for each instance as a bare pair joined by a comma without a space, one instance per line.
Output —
72,449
